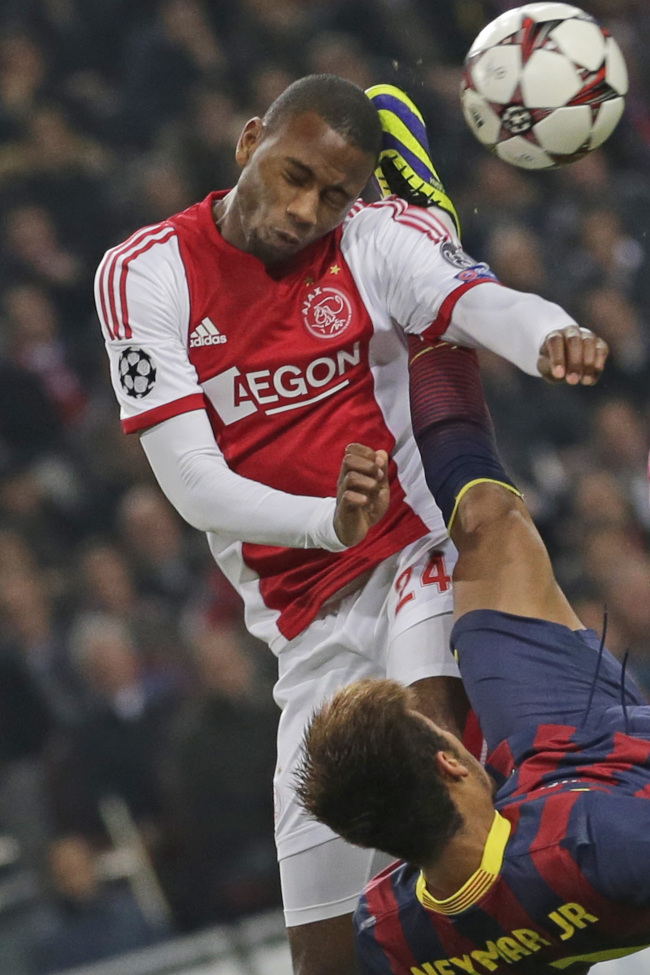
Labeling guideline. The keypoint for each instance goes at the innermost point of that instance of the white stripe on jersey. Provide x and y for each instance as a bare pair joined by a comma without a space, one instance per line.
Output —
110,272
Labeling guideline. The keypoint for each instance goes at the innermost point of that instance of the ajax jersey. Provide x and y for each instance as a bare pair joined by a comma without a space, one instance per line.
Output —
290,365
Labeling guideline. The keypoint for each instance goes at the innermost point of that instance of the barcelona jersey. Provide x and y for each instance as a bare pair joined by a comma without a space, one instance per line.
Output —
565,877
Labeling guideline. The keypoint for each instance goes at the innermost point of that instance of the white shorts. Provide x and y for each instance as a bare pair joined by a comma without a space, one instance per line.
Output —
397,625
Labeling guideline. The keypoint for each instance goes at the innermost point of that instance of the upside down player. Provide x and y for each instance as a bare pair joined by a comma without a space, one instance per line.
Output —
251,337
550,872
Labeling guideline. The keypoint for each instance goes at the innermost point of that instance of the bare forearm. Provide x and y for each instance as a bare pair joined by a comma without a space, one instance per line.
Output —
503,563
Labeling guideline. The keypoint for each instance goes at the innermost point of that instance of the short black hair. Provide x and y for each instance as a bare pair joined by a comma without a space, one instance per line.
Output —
369,772
343,105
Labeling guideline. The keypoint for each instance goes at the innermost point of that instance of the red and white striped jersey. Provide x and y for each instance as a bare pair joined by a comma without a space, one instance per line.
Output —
290,366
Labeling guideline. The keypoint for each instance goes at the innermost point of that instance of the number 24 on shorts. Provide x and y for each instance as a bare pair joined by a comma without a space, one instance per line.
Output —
433,574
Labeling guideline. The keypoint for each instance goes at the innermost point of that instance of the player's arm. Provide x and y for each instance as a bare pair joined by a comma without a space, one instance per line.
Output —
413,261
535,334
195,477
503,563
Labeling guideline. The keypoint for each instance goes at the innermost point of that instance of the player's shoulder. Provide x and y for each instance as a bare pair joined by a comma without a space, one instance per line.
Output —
146,266
139,242
392,213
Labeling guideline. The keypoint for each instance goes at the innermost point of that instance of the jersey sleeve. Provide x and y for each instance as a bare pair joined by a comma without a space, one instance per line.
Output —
142,301
414,264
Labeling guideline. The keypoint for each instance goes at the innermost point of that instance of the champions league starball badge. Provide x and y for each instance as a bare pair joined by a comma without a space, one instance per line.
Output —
137,372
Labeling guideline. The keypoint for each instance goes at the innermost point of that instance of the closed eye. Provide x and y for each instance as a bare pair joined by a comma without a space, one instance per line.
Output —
336,199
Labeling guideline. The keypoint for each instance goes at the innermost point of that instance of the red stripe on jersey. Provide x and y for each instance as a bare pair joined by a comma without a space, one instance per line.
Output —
383,905
421,219
454,944
551,746
553,824
104,269
507,910
473,736
418,218
357,208
502,759
102,311
426,223
441,323
107,274
556,865
435,236
125,266
186,404
627,753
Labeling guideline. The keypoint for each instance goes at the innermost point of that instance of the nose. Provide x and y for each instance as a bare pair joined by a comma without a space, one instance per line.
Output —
303,207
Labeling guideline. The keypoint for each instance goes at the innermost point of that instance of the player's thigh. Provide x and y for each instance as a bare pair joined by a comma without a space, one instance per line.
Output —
420,613
324,947
325,881
332,653
320,889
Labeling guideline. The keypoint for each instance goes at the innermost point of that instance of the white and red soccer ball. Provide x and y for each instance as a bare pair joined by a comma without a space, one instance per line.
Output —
543,85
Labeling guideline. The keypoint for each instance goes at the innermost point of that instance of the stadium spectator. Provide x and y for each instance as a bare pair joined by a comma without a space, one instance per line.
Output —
35,344
115,750
156,546
85,920
219,784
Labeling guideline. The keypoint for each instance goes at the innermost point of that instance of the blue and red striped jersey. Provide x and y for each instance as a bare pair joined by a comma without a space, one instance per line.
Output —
565,877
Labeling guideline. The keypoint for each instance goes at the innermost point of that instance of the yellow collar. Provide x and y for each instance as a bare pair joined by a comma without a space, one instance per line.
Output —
480,881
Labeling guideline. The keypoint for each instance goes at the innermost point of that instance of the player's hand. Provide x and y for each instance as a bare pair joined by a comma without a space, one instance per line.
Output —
362,494
572,355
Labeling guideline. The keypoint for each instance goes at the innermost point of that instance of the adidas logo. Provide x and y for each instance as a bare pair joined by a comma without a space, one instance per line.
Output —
206,333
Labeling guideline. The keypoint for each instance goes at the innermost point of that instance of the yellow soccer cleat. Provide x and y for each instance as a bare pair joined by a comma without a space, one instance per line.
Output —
405,168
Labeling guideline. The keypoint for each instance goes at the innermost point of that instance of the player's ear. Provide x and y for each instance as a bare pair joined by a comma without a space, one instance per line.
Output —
248,141
450,767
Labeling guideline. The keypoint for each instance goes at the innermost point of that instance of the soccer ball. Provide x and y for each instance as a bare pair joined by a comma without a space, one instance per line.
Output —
543,85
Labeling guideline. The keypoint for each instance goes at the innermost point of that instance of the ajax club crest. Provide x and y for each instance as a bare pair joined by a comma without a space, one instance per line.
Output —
327,313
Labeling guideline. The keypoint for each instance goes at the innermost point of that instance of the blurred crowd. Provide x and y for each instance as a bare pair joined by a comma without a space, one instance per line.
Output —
136,721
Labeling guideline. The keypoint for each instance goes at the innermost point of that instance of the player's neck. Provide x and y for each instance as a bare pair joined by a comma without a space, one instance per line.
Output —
463,854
